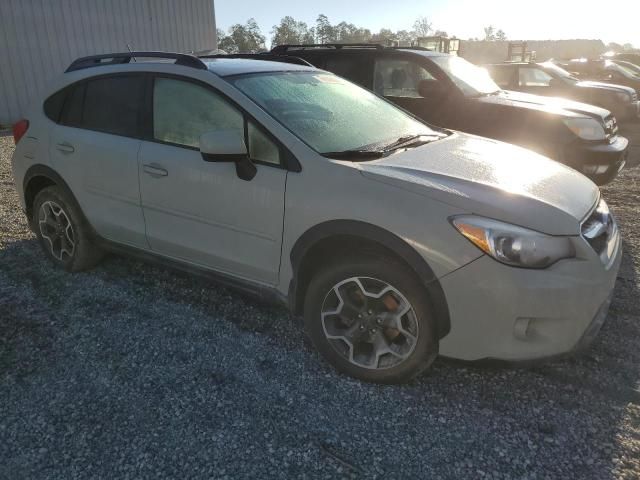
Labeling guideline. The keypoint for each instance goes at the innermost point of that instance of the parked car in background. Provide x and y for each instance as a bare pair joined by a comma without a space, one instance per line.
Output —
448,91
553,81
628,65
602,70
627,57
393,239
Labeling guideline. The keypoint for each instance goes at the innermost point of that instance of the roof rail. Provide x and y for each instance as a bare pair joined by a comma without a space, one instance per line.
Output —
286,47
183,59
261,56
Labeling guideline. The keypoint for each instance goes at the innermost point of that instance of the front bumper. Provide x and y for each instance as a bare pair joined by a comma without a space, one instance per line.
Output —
601,162
514,314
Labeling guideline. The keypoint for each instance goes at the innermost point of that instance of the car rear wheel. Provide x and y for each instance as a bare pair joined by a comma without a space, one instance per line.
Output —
63,232
371,319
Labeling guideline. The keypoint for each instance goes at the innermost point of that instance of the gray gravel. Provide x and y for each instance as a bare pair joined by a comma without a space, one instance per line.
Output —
133,371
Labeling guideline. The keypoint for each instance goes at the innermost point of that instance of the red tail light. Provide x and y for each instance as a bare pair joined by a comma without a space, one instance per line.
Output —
19,129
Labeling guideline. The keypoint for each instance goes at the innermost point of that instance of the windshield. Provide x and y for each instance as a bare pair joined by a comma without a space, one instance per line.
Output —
555,70
472,80
328,113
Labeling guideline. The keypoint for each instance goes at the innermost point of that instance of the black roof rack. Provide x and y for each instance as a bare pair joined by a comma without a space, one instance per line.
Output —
286,47
261,56
281,49
183,59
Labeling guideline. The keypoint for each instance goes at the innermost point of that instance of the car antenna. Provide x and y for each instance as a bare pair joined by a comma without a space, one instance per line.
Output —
131,51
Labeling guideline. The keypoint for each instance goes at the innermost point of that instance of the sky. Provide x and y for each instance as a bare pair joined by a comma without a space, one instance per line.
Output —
611,21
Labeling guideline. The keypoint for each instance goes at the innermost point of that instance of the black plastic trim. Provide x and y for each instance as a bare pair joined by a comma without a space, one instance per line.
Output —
370,232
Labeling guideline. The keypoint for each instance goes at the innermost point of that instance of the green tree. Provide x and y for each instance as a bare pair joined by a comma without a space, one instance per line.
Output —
325,32
501,36
245,38
290,31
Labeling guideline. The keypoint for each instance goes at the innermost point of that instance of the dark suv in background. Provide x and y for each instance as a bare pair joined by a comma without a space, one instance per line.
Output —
448,91
551,80
602,70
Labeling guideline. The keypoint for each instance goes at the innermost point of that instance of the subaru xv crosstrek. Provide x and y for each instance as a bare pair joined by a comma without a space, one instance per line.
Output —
393,240
450,92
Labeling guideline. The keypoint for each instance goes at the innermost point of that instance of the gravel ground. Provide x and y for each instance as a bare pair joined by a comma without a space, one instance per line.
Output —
134,371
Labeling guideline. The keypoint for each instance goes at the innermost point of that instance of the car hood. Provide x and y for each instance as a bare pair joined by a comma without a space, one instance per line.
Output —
558,106
605,86
492,179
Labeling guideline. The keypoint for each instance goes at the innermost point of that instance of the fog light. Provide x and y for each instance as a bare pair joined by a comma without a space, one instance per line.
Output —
595,169
521,328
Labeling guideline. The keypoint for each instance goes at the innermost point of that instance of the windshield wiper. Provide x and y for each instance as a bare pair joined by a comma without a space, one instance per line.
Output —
355,154
412,140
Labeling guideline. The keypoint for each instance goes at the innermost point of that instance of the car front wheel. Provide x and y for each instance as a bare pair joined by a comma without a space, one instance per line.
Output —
371,319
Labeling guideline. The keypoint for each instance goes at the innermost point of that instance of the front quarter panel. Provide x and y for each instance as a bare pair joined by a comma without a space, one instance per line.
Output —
327,190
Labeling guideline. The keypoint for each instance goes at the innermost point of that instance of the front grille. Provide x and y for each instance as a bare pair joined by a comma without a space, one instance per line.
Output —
601,232
611,127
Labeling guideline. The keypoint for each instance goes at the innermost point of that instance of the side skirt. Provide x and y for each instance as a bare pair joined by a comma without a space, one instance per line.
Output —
257,291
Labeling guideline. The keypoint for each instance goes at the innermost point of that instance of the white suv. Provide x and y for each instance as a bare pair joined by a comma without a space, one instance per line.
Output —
394,240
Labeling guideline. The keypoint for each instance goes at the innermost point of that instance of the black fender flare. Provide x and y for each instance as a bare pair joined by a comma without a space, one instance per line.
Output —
39,170
386,239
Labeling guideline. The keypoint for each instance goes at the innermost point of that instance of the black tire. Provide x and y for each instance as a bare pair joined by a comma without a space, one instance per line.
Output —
84,254
396,275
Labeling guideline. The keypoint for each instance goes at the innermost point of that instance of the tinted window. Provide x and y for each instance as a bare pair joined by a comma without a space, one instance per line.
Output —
72,110
53,105
182,111
398,78
352,67
113,104
503,76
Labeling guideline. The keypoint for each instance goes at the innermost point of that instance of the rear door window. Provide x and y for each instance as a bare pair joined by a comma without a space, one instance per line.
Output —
399,77
113,105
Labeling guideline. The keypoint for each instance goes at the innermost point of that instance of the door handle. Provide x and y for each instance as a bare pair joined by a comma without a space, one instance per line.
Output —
65,147
154,170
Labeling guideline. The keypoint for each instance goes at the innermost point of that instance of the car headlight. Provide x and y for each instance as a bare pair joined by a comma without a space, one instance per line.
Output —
513,245
586,128
623,97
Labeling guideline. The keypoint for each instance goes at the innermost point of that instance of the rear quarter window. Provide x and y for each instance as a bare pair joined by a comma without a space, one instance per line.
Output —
53,105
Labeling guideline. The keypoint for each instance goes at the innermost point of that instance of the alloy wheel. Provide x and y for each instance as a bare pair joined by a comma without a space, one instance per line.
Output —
56,229
369,323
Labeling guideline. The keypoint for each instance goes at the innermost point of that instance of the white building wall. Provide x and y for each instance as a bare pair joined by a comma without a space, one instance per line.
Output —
40,38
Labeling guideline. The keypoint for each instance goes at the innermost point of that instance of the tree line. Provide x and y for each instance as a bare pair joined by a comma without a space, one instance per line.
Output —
248,37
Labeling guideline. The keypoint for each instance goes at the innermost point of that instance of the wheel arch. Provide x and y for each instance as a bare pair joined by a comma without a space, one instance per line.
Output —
346,237
39,177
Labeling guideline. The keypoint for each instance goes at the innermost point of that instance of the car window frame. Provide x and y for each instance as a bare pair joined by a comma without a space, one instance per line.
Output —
288,161
82,83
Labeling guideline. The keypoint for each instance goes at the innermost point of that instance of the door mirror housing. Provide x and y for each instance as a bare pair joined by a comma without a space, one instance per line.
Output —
432,89
228,146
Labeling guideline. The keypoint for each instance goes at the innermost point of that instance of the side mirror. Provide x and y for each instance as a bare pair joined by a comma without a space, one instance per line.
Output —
432,89
228,146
